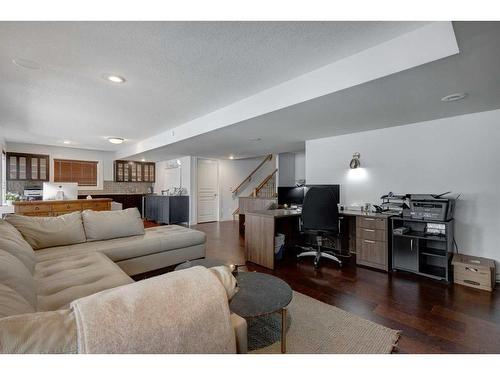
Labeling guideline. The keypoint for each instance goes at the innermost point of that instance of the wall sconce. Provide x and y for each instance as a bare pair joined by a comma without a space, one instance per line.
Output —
355,163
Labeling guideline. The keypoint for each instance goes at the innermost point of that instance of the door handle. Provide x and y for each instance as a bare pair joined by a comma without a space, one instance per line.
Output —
411,244
369,230
369,241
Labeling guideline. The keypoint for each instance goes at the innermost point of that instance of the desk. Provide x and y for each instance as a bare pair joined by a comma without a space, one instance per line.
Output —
365,234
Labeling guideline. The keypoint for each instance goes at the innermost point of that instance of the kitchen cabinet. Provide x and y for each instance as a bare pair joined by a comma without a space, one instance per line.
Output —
134,171
27,167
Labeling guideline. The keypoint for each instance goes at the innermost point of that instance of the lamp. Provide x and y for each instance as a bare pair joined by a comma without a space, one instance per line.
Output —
355,163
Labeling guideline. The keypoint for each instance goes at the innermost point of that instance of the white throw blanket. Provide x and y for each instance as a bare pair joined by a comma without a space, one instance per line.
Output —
180,312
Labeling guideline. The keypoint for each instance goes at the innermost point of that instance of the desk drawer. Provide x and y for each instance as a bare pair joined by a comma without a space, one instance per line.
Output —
96,206
371,234
371,223
372,253
66,207
33,208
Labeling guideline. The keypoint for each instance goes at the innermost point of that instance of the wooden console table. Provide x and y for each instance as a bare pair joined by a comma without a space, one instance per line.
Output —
56,208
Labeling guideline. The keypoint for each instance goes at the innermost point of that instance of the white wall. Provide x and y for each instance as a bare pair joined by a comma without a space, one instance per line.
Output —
292,167
300,165
169,178
105,159
286,169
2,171
232,173
458,153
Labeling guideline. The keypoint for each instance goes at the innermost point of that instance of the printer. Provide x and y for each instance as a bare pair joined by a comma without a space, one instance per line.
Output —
431,207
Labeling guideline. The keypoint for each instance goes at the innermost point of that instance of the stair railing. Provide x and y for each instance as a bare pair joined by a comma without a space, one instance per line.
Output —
249,177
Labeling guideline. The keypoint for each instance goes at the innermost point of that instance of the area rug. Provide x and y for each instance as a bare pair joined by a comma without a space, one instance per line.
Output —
316,327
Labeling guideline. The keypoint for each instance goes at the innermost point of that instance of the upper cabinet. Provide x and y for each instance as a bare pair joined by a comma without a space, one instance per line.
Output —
27,167
134,171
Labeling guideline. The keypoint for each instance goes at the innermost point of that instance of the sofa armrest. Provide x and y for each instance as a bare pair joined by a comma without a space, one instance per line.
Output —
240,330
51,332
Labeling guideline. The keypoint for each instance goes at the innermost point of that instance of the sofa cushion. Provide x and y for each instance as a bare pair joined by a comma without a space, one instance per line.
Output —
104,225
43,232
154,240
15,275
62,280
51,332
12,241
12,303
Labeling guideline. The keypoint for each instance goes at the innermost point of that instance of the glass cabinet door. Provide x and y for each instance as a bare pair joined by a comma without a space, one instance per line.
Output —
126,173
133,171
146,173
151,173
43,174
12,162
119,172
34,168
22,168
139,171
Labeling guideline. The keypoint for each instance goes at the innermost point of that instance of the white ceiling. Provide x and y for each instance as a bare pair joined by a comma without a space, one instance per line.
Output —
402,98
175,71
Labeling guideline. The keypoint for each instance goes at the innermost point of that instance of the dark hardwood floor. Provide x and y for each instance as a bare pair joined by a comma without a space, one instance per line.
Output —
434,317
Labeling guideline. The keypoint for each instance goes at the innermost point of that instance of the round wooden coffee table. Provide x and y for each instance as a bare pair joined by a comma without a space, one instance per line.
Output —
262,294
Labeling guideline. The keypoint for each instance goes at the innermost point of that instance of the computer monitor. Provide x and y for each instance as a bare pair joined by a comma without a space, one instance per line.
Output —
290,195
60,190
334,188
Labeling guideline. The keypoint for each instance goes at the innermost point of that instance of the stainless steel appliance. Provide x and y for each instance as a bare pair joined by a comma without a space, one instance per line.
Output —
33,193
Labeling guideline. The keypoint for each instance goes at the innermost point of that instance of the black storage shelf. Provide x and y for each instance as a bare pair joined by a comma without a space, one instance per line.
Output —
420,253
421,236
435,271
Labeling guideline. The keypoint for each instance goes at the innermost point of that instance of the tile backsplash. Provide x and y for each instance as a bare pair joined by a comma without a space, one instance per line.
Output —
109,187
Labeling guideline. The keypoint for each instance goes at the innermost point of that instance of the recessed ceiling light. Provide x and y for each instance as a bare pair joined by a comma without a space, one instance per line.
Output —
27,64
67,142
143,159
115,79
454,97
231,157
116,140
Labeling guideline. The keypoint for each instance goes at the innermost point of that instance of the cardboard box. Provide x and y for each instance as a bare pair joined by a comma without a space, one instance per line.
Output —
475,272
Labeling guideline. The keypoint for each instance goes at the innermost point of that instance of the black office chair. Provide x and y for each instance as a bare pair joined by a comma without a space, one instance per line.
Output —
320,218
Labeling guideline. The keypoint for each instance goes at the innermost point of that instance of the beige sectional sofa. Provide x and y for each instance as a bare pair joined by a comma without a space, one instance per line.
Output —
89,252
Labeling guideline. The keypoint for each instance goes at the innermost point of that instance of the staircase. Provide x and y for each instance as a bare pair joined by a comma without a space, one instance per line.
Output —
265,189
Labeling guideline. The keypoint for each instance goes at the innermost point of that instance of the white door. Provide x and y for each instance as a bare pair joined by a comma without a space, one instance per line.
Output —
208,185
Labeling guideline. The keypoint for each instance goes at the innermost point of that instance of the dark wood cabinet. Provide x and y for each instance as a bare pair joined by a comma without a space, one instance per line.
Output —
27,167
127,200
134,171
167,209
